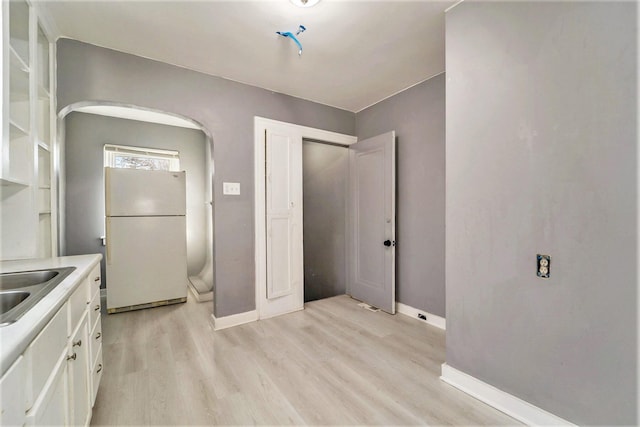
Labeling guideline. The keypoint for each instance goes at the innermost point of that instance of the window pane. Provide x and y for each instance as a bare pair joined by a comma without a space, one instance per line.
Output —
138,162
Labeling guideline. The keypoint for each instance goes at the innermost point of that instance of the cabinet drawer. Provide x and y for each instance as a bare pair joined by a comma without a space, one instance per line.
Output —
43,354
94,277
78,304
95,341
96,375
94,309
12,394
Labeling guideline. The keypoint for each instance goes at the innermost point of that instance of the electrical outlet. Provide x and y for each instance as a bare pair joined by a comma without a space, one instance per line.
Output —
544,266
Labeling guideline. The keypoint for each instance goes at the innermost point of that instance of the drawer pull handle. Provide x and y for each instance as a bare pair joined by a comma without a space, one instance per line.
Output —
77,343
72,357
98,335
97,279
99,368
97,308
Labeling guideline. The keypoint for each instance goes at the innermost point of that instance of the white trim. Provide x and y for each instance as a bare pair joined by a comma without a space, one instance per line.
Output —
260,126
431,319
138,114
233,320
308,132
513,406
207,296
269,316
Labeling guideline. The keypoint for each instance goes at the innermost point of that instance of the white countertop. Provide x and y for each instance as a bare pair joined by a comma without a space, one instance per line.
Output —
15,338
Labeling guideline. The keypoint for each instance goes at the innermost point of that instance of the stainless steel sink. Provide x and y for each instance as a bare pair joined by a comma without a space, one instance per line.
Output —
26,278
10,299
20,291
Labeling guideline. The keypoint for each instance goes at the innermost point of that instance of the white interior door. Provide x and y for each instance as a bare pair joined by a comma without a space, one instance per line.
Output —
372,219
283,207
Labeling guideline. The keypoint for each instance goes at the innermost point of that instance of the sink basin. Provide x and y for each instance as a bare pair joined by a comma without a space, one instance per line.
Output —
26,278
21,290
9,300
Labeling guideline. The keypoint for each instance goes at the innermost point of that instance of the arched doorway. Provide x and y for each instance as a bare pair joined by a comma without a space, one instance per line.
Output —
120,119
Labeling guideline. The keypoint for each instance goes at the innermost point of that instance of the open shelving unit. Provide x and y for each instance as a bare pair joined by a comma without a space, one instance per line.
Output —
27,220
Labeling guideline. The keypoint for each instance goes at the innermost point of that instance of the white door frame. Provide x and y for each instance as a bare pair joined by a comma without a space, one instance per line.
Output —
261,124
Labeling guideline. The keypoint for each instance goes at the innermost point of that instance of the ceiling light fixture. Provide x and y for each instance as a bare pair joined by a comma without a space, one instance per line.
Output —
305,3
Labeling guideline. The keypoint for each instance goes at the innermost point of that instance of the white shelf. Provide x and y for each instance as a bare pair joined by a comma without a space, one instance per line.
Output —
12,182
28,215
16,130
17,62
44,146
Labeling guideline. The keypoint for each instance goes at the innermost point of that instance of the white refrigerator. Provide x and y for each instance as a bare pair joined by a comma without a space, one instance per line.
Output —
146,253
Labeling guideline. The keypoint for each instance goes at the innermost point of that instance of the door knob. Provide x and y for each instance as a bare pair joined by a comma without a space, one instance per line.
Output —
388,243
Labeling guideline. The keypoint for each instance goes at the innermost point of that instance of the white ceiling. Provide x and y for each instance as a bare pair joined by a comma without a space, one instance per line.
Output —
356,53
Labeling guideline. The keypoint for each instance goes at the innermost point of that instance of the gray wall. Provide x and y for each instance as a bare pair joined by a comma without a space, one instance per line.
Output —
325,170
86,135
541,158
418,117
226,109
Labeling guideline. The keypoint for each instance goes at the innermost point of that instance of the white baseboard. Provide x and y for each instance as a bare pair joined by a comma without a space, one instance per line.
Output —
207,296
269,316
234,320
513,406
431,319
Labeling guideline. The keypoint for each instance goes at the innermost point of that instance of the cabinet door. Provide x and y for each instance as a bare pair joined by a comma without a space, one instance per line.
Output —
12,399
78,365
50,408
43,354
96,375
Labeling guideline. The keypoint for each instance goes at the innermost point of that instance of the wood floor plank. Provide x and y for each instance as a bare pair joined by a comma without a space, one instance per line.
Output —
333,363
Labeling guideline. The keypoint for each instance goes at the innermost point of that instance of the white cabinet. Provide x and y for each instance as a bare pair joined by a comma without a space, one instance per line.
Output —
26,189
12,394
55,380
43,354
78,368
51,406
95,336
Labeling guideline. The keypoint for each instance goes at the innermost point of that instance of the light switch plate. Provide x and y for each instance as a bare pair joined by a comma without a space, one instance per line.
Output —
231,188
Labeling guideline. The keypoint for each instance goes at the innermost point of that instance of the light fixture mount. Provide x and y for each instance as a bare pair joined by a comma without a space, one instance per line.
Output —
305,3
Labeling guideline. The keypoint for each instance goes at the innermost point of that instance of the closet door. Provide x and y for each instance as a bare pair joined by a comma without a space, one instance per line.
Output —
283,178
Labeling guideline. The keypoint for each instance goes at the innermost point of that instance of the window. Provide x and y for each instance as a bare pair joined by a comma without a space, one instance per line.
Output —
120,156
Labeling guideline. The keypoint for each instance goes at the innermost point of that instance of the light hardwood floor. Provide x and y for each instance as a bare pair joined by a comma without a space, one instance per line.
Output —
332,363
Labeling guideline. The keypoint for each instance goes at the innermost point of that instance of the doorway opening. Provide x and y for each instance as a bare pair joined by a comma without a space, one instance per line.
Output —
122,128
369,218
325,178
